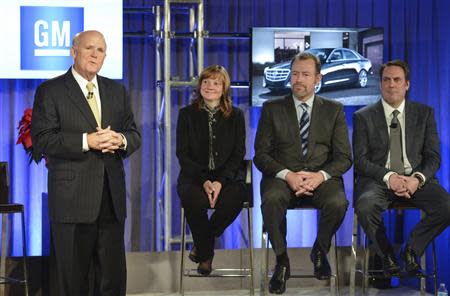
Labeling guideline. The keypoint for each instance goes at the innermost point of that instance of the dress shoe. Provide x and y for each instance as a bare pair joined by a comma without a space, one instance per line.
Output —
390,265
277,284
322,270
193,255
412,265
205,267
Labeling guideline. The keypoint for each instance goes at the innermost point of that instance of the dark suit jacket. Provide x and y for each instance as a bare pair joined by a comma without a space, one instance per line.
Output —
61,114
371,140
193,146
278,144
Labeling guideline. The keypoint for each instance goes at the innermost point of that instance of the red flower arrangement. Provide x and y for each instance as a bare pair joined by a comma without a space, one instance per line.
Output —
25,136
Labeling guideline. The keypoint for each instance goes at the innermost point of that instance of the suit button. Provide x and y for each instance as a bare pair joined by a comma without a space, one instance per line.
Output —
217,153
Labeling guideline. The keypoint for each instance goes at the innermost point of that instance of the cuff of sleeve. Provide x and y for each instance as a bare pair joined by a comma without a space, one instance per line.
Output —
386,178
222,180
124,143
282,174
85,143
203,179
420,177
326,176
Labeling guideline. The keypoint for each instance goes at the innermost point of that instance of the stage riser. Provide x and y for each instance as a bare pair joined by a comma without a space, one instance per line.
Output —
159,271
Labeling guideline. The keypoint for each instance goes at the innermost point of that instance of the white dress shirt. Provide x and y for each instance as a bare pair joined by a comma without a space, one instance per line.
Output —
299,111
388,110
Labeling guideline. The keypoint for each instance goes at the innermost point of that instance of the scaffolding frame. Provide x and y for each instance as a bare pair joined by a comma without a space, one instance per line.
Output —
165,83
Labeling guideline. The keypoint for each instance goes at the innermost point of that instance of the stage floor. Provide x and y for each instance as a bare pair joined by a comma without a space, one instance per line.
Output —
400,291
157,274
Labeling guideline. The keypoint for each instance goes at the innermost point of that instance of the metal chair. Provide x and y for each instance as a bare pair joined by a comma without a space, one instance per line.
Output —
225,272
372,273
299,204
8,208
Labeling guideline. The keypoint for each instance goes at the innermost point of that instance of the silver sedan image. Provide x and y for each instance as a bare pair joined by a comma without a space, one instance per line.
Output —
340,66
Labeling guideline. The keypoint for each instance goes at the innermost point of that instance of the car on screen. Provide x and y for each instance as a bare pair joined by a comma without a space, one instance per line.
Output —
340,66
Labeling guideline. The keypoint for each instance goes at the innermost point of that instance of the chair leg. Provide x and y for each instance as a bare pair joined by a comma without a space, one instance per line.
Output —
264,263
433,251
423,263
336,255
24,254
334,280
183,248
250,239
365,268
333,266
353,255
423,279
3,252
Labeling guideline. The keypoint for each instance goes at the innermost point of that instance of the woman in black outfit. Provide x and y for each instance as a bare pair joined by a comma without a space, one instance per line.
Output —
210,150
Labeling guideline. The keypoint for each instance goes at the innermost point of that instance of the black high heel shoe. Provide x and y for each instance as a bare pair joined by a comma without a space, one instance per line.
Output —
205,267
193,255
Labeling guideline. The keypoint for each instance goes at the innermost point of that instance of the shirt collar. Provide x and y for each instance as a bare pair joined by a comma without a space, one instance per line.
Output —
82,82
388,109
308,102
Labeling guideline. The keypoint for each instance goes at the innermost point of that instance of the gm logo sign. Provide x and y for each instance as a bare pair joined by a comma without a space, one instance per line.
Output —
46,35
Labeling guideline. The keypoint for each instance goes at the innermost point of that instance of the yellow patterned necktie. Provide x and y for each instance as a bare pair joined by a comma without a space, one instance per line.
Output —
93,103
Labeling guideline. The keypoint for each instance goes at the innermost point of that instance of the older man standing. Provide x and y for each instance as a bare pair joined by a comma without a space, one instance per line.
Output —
84,125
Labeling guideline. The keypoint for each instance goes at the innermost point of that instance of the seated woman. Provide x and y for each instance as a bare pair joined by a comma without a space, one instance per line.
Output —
210,150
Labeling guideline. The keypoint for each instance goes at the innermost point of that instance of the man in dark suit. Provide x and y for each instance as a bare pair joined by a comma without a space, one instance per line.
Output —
396,148
302,149
84,125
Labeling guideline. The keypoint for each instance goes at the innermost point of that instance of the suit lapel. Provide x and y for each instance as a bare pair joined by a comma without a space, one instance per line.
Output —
379,120
292,121
105,96
314,125
77,97
410,123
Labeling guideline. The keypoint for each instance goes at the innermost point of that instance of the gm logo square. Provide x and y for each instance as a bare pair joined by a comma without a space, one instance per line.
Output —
46,35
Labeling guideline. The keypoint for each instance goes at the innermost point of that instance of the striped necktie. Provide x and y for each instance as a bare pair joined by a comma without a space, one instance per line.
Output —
304,128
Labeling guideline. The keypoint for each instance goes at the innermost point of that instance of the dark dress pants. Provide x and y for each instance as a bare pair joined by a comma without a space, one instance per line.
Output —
373,198
196,204
329,198
78,249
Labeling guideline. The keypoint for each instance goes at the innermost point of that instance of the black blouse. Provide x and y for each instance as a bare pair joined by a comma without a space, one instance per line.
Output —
193,145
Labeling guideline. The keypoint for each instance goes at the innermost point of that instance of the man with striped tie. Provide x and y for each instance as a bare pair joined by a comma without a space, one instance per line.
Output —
302,149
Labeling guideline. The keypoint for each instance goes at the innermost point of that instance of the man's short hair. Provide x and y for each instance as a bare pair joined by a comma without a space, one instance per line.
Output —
398,63
303,56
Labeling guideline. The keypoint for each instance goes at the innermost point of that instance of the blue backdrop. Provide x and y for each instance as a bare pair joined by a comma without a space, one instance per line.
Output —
416,31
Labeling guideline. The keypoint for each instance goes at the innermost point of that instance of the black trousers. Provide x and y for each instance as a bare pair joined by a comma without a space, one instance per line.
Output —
79,250
329,198
204,230
373,198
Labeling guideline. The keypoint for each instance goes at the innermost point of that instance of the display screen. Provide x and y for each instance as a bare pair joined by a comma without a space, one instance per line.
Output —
37,35
350,58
